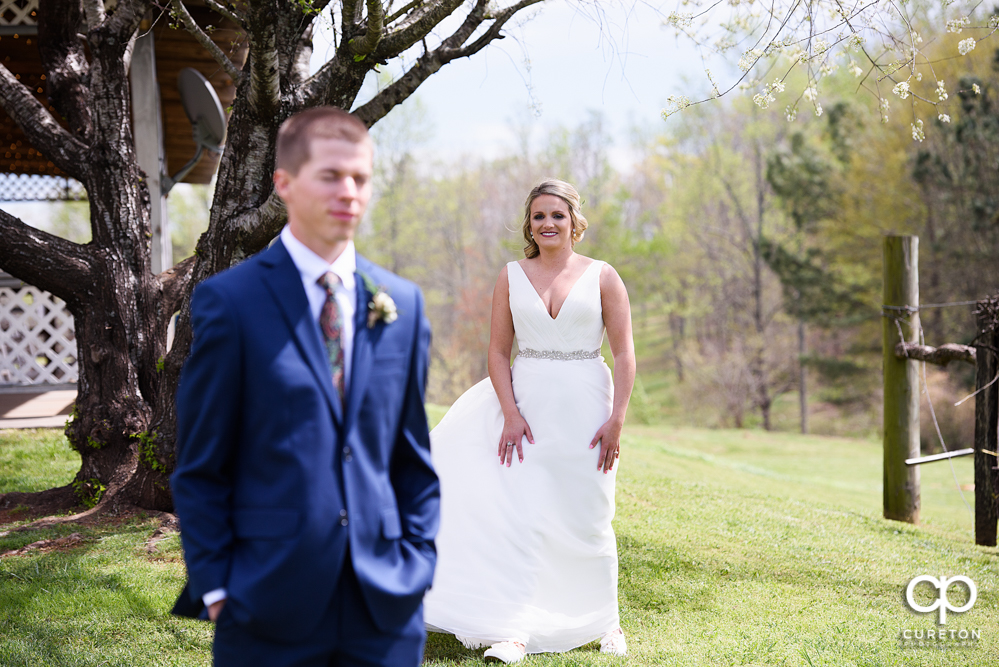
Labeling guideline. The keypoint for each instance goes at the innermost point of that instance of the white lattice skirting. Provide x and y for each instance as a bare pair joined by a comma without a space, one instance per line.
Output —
18,12
37,342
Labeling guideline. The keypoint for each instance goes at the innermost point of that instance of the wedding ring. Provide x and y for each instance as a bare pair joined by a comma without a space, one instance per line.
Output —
509,444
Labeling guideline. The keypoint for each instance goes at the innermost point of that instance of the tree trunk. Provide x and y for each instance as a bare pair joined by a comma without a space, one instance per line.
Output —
124,422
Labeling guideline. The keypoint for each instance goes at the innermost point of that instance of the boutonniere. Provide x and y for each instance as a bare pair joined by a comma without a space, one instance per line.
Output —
381,307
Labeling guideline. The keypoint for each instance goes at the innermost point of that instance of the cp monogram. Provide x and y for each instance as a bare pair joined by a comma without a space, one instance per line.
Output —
941,603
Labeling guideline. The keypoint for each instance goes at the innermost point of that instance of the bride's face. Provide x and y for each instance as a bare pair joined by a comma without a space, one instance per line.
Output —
550,222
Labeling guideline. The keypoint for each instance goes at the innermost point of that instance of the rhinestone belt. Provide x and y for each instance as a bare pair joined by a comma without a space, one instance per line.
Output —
575,355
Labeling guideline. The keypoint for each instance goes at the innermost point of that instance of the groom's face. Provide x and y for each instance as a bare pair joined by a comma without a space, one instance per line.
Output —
329,194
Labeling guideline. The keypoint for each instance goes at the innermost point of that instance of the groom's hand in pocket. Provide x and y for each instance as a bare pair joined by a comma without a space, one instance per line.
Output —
215,609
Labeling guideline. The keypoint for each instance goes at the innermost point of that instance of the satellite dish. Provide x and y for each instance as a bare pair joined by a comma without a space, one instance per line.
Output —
204,111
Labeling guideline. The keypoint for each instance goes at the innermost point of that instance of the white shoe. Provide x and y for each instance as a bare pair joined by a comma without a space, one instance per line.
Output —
613,643
508,652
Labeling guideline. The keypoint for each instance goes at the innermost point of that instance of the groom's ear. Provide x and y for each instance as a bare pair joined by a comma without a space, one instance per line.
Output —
282,180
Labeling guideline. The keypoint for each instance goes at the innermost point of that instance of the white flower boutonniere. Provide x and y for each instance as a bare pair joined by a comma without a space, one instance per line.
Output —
381,307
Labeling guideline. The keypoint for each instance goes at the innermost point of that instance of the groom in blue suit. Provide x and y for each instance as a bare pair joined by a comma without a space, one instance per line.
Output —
307,501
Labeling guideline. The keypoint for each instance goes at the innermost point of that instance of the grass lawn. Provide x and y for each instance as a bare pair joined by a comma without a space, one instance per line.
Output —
736,548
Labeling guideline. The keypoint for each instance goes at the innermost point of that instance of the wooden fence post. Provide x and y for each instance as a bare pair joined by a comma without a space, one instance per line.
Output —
901,378
986,425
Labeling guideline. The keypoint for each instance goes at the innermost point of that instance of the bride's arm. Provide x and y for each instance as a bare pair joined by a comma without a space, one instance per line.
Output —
501,333
617,321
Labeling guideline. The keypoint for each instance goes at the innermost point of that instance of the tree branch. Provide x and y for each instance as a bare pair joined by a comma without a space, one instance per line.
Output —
416,26
228,12
41,259
429,63
493,32
401,12
64,60
941,356
265,73
364,46
260,225
176,281
94,11
42,131
206,42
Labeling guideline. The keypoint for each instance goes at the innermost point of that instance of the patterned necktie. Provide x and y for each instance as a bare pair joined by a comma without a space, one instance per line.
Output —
331,322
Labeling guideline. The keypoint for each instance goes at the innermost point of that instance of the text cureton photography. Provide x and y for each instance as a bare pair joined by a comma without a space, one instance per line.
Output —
926,594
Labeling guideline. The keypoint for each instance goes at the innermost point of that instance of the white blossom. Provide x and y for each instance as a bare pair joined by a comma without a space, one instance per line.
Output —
941,91
901,89
675,103
965,46
957,25
917,131
943,118
680,20
975,87
749,59
818,109
810,93
791,112
855,69
714,85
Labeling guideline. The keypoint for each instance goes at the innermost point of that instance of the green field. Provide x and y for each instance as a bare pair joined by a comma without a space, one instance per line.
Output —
736,548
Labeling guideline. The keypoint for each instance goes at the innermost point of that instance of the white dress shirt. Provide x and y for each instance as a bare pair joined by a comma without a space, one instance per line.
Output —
311,266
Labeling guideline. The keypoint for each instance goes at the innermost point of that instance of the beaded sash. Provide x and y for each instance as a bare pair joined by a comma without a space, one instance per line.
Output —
575,355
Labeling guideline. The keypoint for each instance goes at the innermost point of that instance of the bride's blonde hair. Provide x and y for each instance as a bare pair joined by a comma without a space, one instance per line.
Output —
565,192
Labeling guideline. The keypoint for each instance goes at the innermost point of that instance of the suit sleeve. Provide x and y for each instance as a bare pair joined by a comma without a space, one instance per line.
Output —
413,478
207,429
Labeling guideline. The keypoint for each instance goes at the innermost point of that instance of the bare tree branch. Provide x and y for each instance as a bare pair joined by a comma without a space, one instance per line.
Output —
429,63
427,17
43,132
941,356
492,33
364,46
41,259
402,12
229,12
206,42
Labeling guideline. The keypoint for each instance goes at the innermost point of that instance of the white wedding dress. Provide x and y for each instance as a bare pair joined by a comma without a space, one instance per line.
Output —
527,553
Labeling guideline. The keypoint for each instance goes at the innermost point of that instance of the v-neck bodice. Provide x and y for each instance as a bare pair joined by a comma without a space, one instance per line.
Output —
579,324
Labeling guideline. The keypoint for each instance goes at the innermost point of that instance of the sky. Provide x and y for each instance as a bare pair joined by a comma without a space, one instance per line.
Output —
558,63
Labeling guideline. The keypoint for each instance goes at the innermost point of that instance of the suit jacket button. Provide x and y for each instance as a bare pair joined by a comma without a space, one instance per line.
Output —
343,512
343,521
346,451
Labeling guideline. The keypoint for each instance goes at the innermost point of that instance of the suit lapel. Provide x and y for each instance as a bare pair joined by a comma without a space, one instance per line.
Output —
285,284
363,345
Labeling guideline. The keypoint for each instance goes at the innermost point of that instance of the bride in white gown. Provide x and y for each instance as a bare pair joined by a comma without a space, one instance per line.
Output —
527,559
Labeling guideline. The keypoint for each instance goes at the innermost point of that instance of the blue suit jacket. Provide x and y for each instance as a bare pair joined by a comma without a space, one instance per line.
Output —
275,477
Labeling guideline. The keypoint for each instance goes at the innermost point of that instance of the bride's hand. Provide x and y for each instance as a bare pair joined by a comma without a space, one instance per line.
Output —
515,429
609,437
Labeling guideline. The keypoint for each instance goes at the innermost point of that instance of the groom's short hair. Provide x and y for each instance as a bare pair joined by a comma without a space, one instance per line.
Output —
297,132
